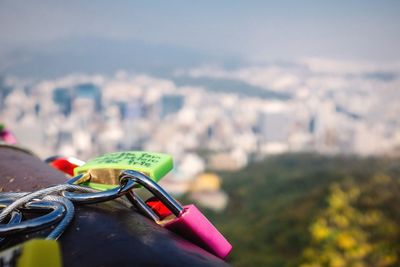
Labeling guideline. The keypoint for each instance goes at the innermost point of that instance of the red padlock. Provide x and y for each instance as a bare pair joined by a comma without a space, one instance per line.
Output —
188,221
158,207
64,164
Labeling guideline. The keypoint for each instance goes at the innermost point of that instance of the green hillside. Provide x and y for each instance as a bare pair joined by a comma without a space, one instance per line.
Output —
311,210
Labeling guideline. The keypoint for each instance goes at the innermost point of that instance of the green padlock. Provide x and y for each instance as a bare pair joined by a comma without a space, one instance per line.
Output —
105,170
33,253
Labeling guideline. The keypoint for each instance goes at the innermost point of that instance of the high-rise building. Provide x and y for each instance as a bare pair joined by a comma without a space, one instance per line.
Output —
171,104
131,110
89,91
274,126
4,91
63,98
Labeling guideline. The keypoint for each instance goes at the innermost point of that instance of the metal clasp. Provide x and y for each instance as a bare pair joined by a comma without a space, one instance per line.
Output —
57,213
94,196
153,188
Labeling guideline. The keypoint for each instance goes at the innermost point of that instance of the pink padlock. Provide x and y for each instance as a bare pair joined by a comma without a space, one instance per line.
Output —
195,227
187,221
7,137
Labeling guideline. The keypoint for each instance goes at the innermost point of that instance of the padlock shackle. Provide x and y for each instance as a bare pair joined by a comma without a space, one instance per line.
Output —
142,206
155,189
97,197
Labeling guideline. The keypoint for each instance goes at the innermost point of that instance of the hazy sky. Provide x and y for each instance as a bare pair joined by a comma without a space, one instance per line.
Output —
256,30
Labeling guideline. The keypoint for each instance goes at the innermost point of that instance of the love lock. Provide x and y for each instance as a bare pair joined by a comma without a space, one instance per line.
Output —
187,221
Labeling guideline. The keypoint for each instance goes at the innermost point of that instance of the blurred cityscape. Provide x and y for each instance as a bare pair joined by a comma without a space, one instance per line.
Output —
325,106
282,117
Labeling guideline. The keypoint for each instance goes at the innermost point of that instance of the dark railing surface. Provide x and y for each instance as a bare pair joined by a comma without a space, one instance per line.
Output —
105,234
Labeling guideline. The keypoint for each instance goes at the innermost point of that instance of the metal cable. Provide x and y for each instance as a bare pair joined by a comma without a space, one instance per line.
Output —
37,194
52,194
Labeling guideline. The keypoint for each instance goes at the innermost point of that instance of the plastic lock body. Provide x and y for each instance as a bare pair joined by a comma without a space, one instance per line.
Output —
64,164
195,227
32,253
188,222
105,170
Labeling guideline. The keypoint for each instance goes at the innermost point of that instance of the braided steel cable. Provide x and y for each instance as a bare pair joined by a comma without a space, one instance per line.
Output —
38,194
20,199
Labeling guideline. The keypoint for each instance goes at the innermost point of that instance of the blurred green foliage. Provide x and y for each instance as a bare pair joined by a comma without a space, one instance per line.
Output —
310,210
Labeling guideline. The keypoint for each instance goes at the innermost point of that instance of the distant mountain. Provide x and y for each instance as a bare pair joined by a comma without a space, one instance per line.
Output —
97,55
230,86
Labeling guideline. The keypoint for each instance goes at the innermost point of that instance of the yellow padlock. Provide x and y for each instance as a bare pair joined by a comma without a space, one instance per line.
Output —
33,253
